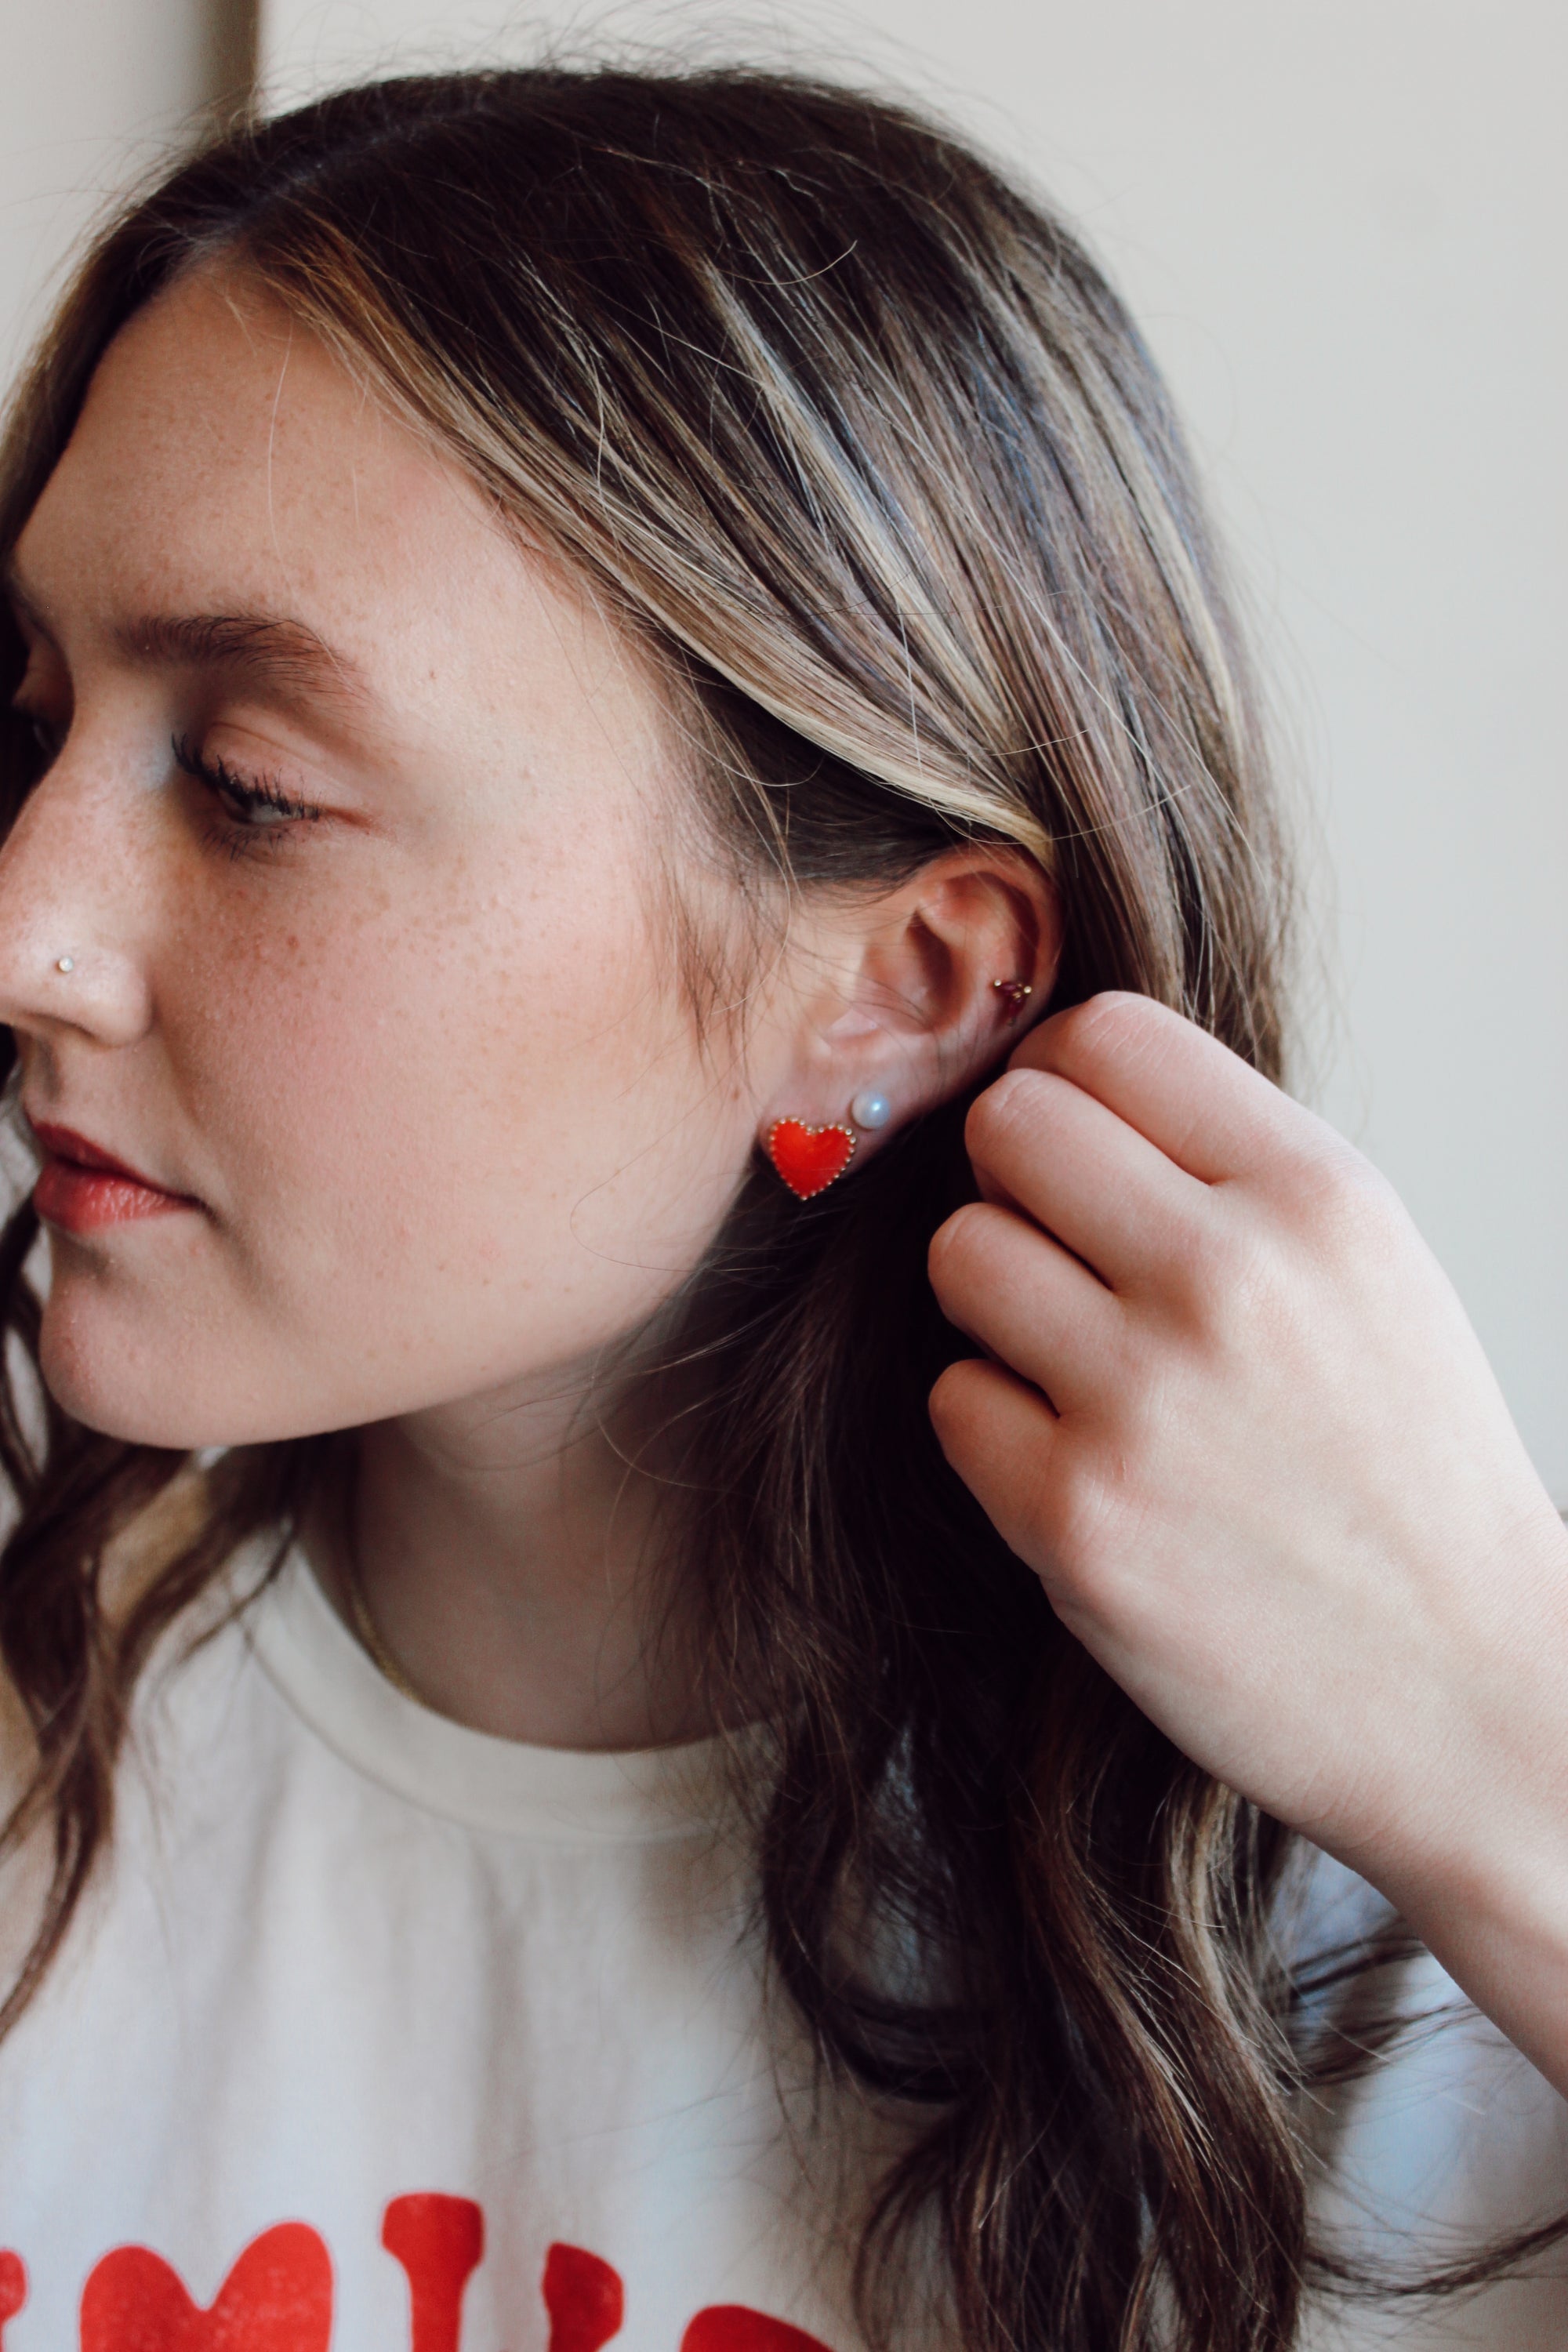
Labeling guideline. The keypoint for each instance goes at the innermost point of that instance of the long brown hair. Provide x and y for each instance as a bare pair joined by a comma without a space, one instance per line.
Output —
859,443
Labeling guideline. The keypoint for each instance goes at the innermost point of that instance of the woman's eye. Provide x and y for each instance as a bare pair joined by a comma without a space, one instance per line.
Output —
248,805
257,812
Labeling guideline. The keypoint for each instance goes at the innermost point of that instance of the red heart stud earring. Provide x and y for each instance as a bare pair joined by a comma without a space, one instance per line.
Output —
809,1159
1014,995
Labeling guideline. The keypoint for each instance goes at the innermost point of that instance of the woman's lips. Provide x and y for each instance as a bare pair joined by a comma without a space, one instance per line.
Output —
82,1189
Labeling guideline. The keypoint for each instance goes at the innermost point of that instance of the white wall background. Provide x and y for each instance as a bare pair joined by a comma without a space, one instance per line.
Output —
91,92
1342,223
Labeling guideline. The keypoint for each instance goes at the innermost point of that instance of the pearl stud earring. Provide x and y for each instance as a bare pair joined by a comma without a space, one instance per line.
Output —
65,964
870,1110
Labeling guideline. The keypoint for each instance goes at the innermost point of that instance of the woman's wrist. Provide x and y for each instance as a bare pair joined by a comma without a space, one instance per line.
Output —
1476,1856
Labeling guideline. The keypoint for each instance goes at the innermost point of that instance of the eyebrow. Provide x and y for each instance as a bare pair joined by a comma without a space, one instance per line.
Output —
287,656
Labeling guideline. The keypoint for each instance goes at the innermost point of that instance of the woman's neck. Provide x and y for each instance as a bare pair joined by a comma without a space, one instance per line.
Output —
508,1556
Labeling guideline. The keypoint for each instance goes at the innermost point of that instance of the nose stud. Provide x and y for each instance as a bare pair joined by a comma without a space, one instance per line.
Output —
65,964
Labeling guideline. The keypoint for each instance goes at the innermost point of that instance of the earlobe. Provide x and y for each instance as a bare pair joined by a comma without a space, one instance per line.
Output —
809,1159
930,986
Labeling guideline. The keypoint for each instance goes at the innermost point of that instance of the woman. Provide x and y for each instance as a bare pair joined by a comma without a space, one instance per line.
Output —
590,652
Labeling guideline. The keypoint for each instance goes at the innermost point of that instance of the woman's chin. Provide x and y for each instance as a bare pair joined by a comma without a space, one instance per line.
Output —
131,1383
99,1395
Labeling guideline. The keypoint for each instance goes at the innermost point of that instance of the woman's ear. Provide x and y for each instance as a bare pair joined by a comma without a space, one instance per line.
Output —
917,991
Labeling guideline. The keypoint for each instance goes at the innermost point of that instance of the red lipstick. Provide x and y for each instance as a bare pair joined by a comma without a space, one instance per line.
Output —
82,1189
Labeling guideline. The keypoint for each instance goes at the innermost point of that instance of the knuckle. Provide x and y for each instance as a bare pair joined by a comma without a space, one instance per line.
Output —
1362,1196
1191,1242
958,1244
951,1398
1011,1105
1085,1541
960,1405
1338,1196
1104,1027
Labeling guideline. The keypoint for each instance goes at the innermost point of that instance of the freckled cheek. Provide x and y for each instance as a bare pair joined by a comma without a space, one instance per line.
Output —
438,1080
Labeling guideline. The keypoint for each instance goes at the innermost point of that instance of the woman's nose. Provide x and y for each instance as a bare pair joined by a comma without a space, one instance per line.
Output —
71,950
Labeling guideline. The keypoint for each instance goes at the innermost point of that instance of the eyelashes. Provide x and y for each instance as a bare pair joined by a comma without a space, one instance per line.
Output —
255,811
250,812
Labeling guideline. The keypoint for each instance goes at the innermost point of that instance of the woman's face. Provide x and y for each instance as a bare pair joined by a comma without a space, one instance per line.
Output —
352,841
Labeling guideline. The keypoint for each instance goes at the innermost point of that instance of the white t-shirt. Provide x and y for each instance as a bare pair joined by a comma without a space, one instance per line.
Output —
381,2035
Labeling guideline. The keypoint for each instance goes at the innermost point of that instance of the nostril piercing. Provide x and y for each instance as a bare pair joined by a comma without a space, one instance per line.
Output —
65,964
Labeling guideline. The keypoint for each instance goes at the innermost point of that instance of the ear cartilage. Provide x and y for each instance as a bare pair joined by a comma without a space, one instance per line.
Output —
1014,995
809,1159
870,1110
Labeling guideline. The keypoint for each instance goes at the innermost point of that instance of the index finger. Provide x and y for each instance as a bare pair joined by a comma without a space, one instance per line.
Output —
1186,1093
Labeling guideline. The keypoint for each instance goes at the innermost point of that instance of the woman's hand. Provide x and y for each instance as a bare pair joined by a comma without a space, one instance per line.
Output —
1237,1424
